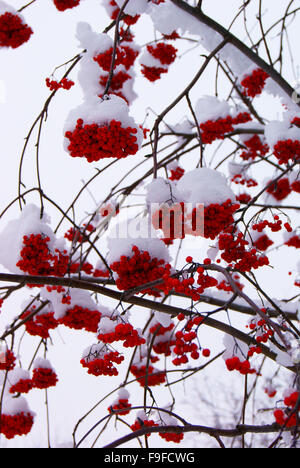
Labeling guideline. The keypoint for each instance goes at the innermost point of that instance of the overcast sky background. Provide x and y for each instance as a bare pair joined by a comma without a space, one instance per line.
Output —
22,94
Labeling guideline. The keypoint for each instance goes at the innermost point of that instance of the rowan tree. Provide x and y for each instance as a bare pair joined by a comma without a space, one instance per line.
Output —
149,272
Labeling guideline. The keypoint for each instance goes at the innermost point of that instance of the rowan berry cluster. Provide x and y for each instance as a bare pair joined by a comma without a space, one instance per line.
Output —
22,386
255,147
287,151
289,416
124,55
13,31
139,424
43,378
254,84
172,436
39,324
7,360
63,5
147,376
165,54
293,241
95,142
128,19
280,189
243,367
177,173
122,404
37,258
81,318
123,332
212,130
104,364
139,269
236,255
16,425
240,179
54,85
218,217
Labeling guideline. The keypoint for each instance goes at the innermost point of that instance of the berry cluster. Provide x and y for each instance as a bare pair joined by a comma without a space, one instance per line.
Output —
43,378
16,425
244,198
217,129
103,364
40,324
165,54
175,437
37,258
123,332
254,84
128,19
13,31
7,360
54,85
262,334
139,269
243,367
139,424
293,241
125,56
218,217
122,404
95,142
255,147
235,252
280,189
263,242
287,150
288,417
81,318
63,5
22,386
243,180
149,377
177,173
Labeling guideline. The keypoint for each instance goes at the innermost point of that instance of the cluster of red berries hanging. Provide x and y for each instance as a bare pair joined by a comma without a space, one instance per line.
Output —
111,330
157,59
113,10
14,31
235,253
121,405
254,83
107,68
63,5
254,147
102,129
54,85
284,139
99,359
176,171
289,415
16,417
39,323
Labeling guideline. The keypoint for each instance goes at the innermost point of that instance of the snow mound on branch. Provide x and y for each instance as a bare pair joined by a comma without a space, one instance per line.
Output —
12,406
205,186
137,233
280,131
211,108
134,7
101,112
